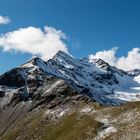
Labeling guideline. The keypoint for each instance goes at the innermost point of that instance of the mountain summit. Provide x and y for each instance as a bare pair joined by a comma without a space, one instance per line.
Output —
95,78
103,83
37,94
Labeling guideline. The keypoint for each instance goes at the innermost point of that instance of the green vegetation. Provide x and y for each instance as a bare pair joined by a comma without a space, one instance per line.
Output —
79,126
71,127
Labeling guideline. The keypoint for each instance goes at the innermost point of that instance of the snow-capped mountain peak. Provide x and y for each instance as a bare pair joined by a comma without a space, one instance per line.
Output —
102,80
96,78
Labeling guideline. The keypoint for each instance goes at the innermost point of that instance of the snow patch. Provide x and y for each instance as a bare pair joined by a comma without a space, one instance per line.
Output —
129,90
86,110
55,114
105,130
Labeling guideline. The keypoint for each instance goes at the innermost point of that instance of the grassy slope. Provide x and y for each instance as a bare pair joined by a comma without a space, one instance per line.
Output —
71,127
79,127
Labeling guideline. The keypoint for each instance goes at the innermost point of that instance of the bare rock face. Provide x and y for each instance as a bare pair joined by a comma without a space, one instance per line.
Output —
12,78
31,90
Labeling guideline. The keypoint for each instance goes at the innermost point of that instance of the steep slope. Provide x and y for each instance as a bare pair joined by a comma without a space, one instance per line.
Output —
49,93
96,78
102,82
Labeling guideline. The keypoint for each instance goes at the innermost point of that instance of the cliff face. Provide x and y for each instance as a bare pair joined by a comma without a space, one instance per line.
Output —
40,92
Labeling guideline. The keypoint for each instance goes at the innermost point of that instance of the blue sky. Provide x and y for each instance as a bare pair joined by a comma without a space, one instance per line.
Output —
90,25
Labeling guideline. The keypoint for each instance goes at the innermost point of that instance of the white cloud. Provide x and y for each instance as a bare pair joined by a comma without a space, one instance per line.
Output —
129,62
46,43
4,20
34,41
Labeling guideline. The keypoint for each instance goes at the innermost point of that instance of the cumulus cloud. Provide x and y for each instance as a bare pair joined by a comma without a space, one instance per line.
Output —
44,43
129,62
4,20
